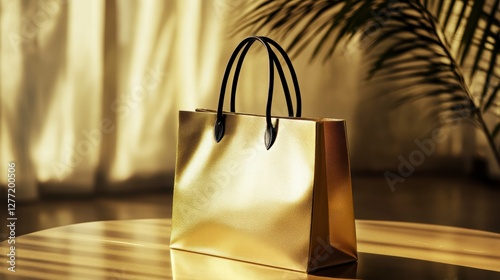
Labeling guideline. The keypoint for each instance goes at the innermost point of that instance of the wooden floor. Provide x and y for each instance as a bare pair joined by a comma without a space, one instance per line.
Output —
452,201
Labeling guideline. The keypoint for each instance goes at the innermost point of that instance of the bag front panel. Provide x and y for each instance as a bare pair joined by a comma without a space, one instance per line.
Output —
236,199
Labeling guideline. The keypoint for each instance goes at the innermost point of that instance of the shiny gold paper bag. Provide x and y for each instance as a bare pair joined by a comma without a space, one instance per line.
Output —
274,191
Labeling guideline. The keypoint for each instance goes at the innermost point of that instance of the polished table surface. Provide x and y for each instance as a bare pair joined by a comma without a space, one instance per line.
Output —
138,249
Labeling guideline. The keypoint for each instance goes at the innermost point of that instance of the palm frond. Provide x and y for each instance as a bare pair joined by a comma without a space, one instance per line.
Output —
492,98
496,131
479,44
449,13
470,28
302,20
406,42
486,34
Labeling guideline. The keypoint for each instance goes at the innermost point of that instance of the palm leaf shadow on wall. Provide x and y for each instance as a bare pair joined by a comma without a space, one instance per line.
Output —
410,43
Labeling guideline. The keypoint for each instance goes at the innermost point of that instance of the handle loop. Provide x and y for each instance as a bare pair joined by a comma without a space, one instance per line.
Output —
280,72
271,132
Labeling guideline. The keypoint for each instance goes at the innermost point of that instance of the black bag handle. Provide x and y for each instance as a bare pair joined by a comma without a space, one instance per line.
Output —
280,72
270,134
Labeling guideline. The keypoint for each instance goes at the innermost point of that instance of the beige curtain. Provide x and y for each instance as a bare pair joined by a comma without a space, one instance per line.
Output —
90,91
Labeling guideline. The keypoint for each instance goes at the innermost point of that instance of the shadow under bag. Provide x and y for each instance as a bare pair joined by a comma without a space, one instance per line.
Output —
267,190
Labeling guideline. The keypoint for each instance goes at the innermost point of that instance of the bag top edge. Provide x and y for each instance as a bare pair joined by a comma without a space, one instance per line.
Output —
202,110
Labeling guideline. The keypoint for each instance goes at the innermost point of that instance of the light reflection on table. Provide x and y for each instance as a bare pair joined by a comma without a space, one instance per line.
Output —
138,249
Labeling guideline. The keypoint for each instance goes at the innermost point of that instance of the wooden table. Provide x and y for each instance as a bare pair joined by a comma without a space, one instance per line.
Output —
138,249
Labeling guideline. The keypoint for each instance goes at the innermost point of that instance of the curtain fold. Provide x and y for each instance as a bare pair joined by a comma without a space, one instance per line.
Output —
94,88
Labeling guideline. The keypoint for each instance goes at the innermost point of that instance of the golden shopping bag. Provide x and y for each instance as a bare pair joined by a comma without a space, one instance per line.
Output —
274,191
